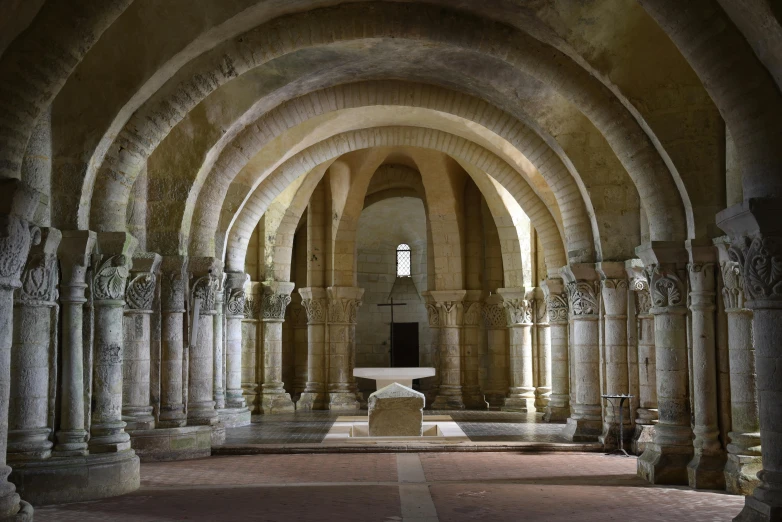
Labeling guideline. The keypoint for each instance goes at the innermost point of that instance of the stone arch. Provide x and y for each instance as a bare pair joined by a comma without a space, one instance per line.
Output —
634,148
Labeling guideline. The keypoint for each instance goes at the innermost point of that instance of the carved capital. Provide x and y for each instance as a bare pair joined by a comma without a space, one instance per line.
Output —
733,285
235,297
472,313
555,300
143,281
433,315
666,287
18,204
583,298
111,264
343,303
494,315
205,273
760,260
275,299
519,311
314,302
40,275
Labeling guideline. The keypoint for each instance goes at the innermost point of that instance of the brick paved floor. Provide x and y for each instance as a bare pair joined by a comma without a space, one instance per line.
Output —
479,426
365,487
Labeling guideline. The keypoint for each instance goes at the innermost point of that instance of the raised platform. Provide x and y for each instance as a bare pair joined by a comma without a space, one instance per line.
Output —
355,430
165,444
73,479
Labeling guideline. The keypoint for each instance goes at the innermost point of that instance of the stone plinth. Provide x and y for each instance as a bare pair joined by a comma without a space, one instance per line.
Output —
396,410
166,444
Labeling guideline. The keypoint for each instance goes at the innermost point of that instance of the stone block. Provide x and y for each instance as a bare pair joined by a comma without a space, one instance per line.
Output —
396,410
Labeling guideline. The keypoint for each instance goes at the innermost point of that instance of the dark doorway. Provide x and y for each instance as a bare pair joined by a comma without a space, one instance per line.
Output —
405,345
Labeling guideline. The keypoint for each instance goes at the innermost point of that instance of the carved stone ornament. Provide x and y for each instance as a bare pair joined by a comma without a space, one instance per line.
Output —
39,279
108,284
733,285
450,313
252,306
494,316
666,287
760,260
583,298
16,236
557,308
273,306
343,310
519,311
643,301
433,314
205,288
235,301
297,315
472,313
615,284
141,292
315,309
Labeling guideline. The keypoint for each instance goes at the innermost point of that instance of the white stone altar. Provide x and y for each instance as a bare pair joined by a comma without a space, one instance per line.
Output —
385,376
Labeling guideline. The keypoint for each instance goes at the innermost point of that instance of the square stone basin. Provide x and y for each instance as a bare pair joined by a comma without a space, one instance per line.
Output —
355,429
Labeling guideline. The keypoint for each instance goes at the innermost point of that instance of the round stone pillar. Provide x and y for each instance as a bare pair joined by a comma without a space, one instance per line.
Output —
471,346
31,353
646,414
343,303
495,320
274,300
234,313
756,233
543,354
614,292
219,354
665,459
74,253
298,316
744,454
585,422
315,304
251,331
17,206
558,408
521,390
172,310
450,313
139,297
200,381
112,266
706,469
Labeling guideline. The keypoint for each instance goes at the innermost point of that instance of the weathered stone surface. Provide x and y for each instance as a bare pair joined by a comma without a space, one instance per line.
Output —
396,410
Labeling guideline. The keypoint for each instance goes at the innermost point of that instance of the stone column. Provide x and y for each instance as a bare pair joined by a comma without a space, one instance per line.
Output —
430,385
274,300
744,460
495,319
521,392
200,382
75,250
250,340
665,459
315,304
172,310
756,231
139,296
343,303
543,338
298,317
112,266
614,292
17,207
471,346
646,414
33,352
558,408
706,469
219,355
234,313
585,422
450,311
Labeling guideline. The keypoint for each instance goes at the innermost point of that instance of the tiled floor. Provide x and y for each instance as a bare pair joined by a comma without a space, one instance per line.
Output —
479,426
387,487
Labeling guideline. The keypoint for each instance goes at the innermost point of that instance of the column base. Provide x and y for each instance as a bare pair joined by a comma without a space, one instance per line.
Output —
741,473
343,401
542,398
71,443
274,403
495,399
706,471
312,401
234,417
758,511
610,436
518,404
76,479
583,430
556,413
234,400
475,401
172,417
448,402
138,418
430,395
25,513
199,415
158,445
33,444
109,437
642,437
218,434
665,464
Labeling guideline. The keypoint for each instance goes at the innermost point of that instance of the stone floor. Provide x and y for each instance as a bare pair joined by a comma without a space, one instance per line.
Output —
479,426
432,487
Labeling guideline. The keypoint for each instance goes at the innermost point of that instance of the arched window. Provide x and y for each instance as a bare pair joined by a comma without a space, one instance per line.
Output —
403,260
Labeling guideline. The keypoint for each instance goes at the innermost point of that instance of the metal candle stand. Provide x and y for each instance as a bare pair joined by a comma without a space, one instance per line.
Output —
622,399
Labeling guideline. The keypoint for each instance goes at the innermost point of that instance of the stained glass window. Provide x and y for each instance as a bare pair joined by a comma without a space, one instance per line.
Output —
403,260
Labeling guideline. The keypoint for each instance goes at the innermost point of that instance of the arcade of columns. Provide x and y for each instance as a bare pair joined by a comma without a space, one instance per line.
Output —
133,175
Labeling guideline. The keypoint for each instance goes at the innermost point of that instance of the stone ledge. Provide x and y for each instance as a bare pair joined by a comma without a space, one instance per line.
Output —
234,417
407,447
166,444
75,479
